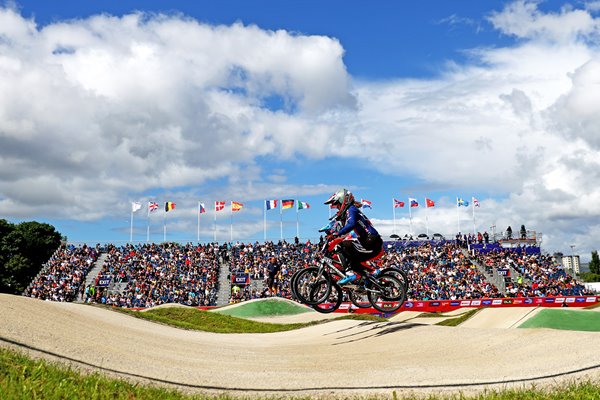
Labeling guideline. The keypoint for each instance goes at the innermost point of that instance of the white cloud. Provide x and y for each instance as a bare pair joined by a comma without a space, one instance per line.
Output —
141,102
523,19
96,110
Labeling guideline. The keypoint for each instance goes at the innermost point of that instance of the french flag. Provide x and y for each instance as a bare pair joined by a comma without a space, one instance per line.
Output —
365,203
270,204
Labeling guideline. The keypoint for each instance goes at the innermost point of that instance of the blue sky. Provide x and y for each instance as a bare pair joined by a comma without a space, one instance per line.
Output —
112,102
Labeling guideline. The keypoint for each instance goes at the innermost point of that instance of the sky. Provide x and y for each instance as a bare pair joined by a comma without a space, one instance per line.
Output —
107,103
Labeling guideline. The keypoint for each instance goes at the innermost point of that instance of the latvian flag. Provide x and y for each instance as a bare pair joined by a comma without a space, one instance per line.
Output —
219,205
398,204
152,206
169,205
235,206
270,204
365,203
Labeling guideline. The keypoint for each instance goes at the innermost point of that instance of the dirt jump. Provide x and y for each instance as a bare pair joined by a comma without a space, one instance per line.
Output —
337,358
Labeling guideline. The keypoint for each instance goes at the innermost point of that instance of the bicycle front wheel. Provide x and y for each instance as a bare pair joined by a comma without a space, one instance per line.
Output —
386,293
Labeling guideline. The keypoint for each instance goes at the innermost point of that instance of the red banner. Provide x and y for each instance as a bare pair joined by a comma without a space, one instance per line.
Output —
442,306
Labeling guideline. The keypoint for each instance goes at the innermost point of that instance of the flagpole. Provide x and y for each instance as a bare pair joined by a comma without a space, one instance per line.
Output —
426,217
410,216
473,214
231,223
394,212
131,227
297,223
165,226
198,231
457,215
265,220
281,220
215,224
148,224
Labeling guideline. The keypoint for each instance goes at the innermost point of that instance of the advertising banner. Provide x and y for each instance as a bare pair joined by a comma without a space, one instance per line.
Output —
445,306
103,281
240,279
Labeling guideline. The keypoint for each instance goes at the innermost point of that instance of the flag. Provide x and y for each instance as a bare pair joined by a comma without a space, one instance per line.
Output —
398,203
169,205
461,202
285,204
202,209
365,203
302,205
152,206
219,205
429,203
413,202
235,206
475,202
135,206
270,204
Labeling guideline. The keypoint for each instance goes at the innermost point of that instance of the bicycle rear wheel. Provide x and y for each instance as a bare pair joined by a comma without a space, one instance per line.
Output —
359,298
312,281
400,274
332,302
386,293
293,284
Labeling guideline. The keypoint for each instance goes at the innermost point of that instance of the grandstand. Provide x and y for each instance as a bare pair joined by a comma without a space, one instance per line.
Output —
204,275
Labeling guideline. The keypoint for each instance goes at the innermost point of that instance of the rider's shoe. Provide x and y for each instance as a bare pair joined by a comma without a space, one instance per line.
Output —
348,279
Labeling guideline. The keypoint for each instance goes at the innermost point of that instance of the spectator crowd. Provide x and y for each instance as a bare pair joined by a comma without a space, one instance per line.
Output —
147,275
156,274
62,277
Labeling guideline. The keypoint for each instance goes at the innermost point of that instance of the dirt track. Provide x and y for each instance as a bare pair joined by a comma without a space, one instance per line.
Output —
339,357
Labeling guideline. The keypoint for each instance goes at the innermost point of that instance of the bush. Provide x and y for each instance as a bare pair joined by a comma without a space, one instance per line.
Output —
589,277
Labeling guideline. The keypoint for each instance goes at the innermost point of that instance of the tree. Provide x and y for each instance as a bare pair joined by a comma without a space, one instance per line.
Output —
23,250
595,263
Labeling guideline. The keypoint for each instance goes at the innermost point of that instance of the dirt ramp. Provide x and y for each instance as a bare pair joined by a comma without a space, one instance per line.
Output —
500,318
316,360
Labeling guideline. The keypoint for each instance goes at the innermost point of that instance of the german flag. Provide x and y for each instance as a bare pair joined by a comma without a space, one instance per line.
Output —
169,205
235,206
285,204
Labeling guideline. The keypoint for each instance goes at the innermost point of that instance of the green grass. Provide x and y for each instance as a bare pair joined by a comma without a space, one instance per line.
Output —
192,318
458,320
22,378
269,307
571,320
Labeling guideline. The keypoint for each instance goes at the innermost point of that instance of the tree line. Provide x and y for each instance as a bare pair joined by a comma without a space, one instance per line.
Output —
24,248
594,274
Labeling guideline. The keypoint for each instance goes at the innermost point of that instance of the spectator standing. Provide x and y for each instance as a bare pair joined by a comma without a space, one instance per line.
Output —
523,232
273,269
509,232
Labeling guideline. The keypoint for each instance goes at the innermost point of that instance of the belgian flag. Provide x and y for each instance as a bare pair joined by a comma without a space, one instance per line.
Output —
169,205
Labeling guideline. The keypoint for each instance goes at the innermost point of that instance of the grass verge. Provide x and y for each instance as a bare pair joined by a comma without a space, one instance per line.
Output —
192,318
458,320
571,320
24,378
